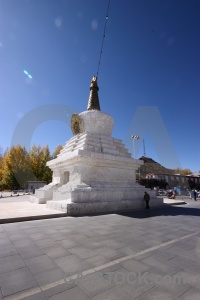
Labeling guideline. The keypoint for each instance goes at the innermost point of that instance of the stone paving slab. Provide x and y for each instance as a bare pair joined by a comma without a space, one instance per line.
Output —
115,256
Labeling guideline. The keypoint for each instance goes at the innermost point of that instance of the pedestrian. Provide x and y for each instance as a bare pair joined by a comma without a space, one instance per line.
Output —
146,199
195,195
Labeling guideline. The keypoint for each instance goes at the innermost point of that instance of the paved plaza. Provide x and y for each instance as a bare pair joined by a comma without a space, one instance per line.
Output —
19,208
145,254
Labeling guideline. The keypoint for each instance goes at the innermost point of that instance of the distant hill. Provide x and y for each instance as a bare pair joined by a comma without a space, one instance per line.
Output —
151,166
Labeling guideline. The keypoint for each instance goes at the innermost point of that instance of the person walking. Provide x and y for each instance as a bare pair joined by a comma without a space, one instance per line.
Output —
146,199
195,195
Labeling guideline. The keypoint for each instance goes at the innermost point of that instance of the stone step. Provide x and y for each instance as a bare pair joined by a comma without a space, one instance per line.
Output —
77,209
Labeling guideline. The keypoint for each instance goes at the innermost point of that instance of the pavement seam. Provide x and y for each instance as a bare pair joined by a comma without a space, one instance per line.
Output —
37,290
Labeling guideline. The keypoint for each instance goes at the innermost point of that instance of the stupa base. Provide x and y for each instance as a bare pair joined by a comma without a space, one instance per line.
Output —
88,208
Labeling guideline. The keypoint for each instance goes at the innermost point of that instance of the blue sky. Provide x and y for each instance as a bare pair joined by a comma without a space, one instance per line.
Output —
151,59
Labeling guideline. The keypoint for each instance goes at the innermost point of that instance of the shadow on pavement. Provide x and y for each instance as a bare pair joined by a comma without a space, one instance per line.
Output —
166,211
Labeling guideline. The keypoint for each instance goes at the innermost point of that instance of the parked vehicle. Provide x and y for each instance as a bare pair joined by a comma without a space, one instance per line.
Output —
27,192
161,193
14,193
21,192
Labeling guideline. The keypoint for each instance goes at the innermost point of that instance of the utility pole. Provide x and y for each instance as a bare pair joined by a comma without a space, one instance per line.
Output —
144,148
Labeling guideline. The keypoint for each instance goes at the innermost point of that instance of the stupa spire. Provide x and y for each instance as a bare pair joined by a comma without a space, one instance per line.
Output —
93,102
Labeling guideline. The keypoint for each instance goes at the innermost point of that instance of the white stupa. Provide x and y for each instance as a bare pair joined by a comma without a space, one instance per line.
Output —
94,172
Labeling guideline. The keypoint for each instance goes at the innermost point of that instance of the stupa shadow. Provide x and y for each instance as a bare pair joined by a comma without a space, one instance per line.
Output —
164,211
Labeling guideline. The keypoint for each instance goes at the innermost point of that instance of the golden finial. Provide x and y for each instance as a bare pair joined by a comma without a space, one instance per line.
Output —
93,102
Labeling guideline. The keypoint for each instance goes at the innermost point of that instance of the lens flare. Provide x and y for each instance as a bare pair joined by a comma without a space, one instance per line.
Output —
27,73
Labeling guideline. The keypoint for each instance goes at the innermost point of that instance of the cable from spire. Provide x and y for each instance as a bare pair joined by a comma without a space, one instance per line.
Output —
103,38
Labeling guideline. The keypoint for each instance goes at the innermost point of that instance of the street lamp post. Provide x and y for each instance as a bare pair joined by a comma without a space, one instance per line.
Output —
134,137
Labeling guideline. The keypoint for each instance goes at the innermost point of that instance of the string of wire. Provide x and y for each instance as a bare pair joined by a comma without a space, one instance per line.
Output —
103,38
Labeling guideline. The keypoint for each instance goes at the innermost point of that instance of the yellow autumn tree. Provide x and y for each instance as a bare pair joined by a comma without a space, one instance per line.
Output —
182,171
16,168
38,157
57,151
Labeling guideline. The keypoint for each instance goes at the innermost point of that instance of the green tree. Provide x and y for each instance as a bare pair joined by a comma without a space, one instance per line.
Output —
46,171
